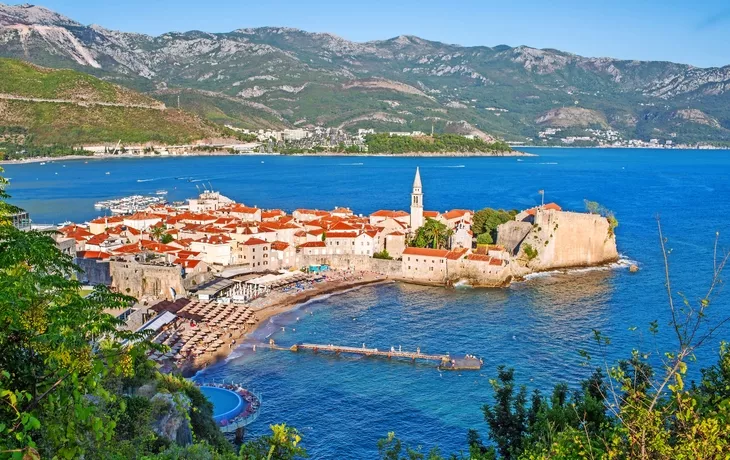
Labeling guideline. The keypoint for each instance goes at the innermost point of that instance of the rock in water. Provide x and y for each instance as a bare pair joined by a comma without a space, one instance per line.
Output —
634,268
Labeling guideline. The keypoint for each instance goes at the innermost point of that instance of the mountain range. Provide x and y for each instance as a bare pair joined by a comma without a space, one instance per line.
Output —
275,77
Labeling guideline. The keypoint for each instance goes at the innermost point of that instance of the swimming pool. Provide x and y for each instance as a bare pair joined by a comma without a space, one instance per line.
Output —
227,404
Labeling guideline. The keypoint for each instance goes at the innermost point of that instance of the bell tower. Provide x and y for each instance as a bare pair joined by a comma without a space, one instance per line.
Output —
417,203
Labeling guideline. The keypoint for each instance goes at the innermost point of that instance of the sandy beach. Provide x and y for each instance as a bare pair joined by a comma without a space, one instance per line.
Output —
514,153
278,302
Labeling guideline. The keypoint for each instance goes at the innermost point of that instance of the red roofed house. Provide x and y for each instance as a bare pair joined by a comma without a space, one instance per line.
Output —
306,215
313,248
192,266
245,213
254,253
100,224
141,220
214,250
342,212
283,255
272,215
455,216
341,242
380,216
425,264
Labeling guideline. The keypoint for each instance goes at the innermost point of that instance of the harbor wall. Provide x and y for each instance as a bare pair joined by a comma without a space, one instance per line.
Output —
391,268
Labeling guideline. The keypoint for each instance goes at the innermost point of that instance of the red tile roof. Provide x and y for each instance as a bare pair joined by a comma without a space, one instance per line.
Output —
385,213
479,257
272,214
141,216
254,242
239,208
456,254
341,234
411,251
109,220
548,207
431,214
313,244
187,263
92,255
98,239
216,239
279,246
455,214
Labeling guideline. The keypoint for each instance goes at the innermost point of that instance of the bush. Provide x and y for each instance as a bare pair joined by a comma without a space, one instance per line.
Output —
530,252
382,255
485,238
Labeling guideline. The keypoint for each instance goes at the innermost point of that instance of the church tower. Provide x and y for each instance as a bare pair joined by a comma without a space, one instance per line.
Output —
417,203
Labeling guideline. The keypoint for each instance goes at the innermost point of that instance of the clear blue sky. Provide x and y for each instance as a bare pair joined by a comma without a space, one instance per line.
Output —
689,31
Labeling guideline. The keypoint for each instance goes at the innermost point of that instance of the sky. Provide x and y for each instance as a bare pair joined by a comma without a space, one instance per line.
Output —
694,32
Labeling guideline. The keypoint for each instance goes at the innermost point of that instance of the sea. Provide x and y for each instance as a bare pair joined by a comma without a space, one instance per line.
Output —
342,404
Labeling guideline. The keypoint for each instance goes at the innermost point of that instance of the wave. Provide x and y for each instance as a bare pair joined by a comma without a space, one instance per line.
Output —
350,164
622,263
549,163
455,166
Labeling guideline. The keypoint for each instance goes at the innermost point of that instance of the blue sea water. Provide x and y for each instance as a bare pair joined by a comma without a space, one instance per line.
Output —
343,405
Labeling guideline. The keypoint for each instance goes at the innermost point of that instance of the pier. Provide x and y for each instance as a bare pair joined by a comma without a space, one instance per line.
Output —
445,362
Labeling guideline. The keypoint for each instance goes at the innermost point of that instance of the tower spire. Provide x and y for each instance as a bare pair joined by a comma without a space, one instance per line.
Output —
417,202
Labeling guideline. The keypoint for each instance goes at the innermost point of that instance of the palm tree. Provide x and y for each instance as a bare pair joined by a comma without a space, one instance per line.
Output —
156,232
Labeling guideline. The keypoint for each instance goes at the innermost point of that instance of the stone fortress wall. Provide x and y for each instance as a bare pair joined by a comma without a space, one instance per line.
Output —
562,240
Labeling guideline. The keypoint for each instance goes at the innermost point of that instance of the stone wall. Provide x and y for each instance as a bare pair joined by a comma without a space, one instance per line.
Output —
511,234
140,280
94,271
352,262
569,239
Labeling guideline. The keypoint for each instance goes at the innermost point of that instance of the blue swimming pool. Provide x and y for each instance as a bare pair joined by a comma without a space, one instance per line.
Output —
227,404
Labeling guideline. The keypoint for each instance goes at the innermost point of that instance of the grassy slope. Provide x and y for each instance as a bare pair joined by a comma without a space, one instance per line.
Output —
222,110
73,124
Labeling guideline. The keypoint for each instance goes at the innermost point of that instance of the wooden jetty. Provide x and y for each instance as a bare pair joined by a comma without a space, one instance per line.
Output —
446,362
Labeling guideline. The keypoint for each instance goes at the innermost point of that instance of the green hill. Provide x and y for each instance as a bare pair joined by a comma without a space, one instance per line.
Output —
44,106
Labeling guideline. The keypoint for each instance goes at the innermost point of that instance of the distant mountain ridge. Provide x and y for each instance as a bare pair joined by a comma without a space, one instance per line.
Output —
274,76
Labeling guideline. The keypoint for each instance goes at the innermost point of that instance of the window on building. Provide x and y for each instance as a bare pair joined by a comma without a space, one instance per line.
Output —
430,268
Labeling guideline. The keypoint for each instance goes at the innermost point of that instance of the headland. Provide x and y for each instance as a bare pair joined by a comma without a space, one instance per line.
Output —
209,271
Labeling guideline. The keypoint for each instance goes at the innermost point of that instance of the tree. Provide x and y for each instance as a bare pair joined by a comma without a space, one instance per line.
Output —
530,252
382,255
485,238
157,232
282,444
433,233
507,418
56,349
167,239
487,220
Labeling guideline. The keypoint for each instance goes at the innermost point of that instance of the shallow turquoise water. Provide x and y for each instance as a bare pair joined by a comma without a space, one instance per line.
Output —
344,404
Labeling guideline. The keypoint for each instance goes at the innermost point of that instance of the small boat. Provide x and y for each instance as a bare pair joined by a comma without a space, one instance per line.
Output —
43,163
161,192
107,173
262,161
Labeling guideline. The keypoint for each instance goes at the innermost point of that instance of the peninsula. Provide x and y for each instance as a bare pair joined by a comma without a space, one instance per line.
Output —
226,267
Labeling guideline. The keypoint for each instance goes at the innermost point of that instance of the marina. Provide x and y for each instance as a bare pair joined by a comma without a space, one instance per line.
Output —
131,204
